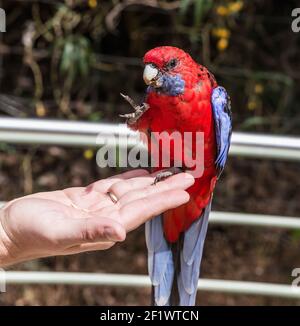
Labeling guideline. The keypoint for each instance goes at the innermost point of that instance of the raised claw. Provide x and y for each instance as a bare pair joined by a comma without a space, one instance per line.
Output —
129,100
127,115
139,110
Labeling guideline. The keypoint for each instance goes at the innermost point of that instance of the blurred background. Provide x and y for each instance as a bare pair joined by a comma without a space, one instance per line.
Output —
70,59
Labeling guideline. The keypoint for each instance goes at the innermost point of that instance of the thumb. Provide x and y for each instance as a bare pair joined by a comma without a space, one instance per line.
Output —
88,230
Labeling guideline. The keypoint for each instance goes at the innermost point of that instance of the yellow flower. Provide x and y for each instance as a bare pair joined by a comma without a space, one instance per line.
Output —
88,154
221,32
222,44
252,105
40,109
258,88
234,7
93,3
222,11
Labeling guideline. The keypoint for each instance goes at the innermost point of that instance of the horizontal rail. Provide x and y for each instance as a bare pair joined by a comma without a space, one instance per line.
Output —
74,133
258,220
226,286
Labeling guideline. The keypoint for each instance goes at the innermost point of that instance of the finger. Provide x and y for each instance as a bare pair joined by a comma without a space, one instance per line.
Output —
178,181
87,247
94,196
104,184
139,211
69,232
124,186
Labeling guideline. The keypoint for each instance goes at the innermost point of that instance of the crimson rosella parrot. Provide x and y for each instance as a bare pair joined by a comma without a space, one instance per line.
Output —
182,96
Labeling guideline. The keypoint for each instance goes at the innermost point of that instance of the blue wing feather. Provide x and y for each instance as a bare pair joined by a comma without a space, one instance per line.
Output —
223,125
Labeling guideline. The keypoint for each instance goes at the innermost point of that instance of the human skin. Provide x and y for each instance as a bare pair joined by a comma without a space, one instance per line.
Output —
82,219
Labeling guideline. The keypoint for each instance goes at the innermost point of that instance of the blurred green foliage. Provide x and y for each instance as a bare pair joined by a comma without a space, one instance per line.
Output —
76,56
200,7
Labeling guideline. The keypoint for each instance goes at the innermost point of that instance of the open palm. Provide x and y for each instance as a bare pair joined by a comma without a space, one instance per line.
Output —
81,219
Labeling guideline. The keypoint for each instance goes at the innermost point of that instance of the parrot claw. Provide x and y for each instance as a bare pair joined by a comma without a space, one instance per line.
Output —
129,100
127,115
166,174
139,110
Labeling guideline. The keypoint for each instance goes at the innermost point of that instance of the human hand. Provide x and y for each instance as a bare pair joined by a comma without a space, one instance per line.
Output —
82,219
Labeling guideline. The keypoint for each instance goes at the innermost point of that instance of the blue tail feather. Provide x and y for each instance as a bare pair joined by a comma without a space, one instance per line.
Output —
191,257
161,262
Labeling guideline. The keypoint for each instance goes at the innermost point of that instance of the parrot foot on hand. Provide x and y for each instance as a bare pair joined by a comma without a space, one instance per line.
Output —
139,110
162,175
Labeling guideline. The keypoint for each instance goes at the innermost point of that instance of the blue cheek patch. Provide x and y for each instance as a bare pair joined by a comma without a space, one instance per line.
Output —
171,85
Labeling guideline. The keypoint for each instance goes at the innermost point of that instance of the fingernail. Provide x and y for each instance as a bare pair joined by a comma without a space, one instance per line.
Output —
188,179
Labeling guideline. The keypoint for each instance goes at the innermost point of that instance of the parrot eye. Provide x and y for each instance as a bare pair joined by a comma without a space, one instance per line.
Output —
171,64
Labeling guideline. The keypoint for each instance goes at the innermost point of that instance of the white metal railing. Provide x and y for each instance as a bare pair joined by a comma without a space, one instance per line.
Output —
125,280
257,220
53,132
73,133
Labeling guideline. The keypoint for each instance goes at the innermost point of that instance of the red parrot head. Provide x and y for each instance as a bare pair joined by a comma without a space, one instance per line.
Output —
169,69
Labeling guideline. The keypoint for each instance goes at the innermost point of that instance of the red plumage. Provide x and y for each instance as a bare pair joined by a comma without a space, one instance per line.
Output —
190,111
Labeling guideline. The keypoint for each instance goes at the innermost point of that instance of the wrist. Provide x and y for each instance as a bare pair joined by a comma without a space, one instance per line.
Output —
6,257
